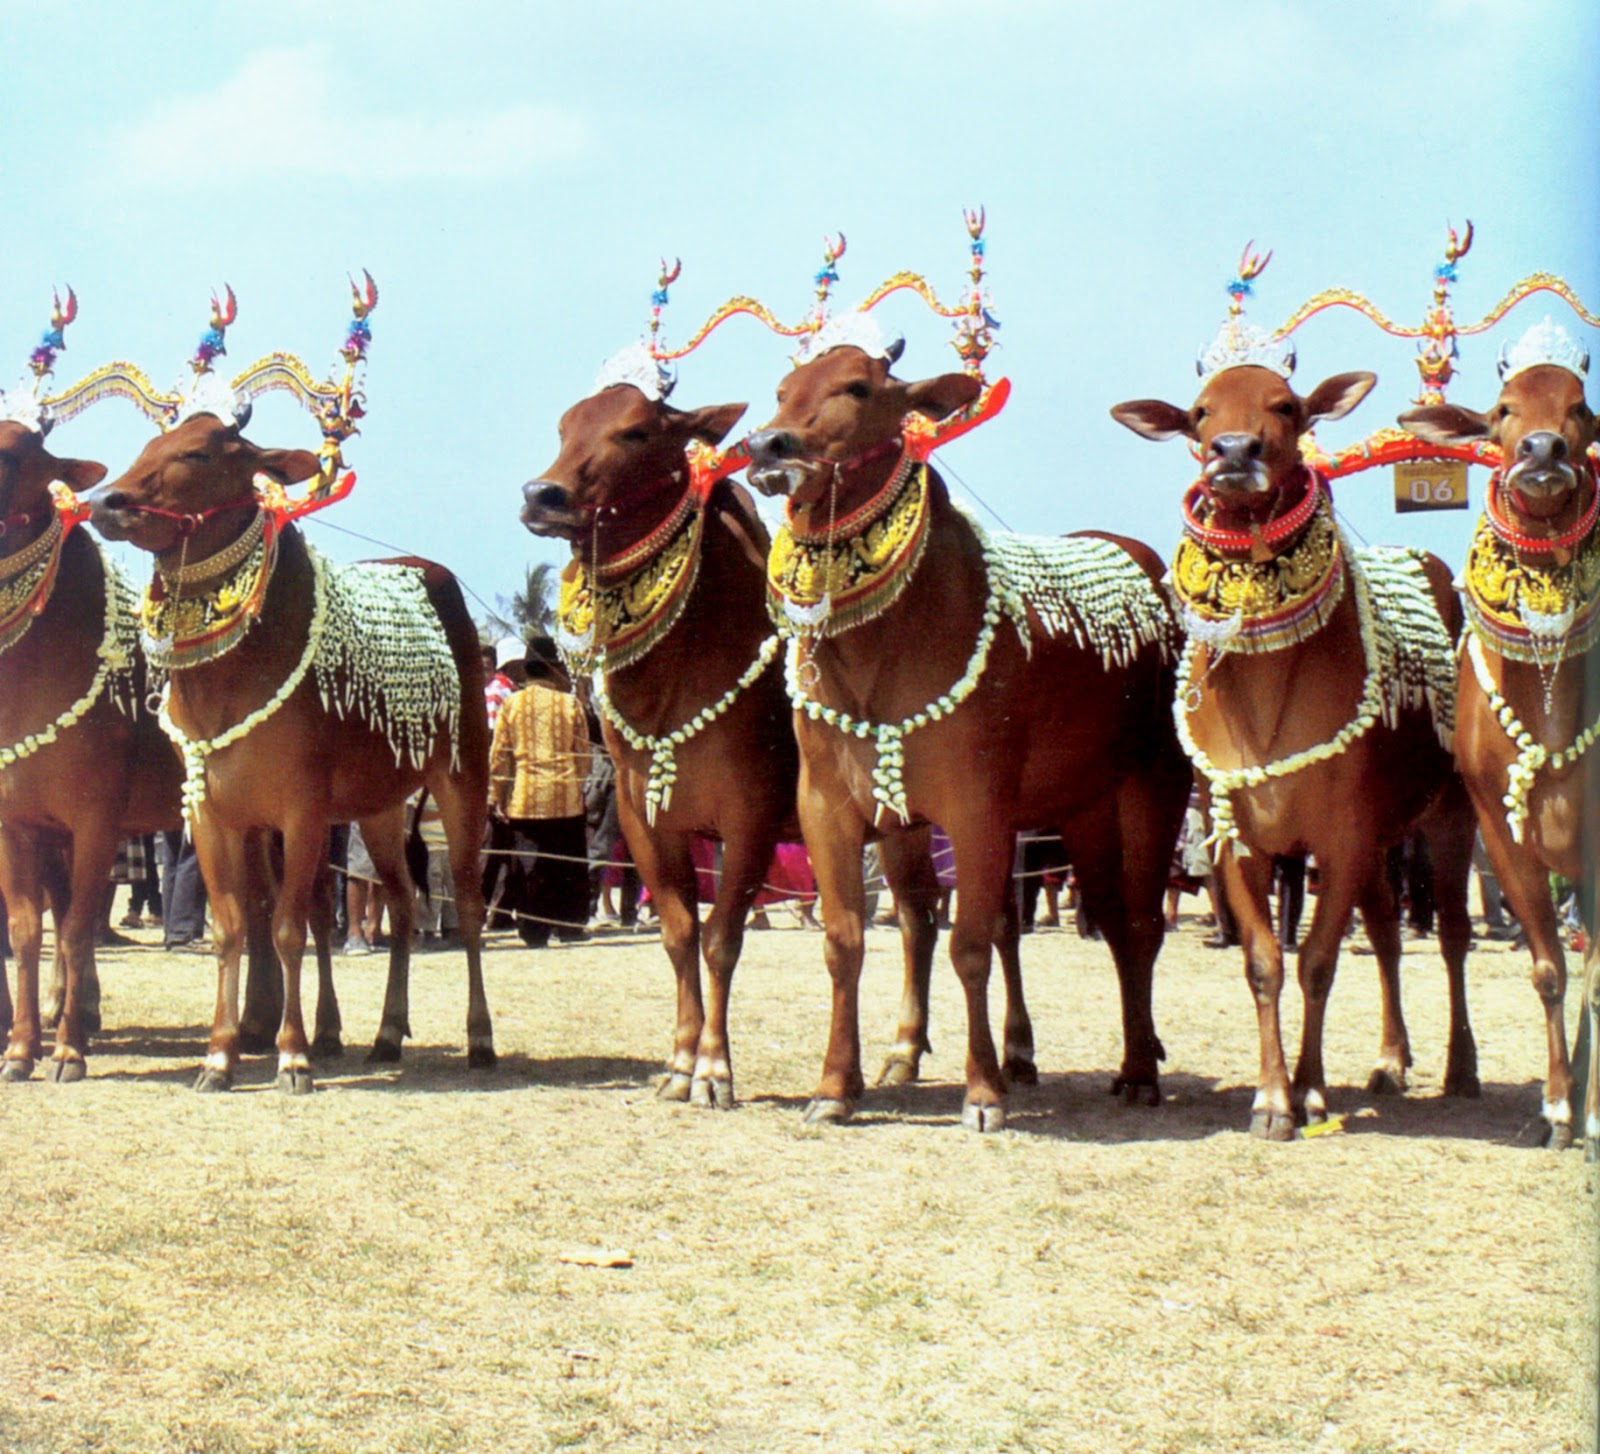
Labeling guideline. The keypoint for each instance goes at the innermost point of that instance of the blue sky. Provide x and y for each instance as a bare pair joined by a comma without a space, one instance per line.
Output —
511,175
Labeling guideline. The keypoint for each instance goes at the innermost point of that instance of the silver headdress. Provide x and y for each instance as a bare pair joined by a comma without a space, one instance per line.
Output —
1545,343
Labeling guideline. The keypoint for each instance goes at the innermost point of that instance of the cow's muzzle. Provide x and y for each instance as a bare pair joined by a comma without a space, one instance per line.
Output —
547,509
778,464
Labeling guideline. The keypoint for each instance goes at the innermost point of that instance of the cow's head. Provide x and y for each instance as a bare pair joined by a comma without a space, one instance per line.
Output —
1247,425
202,468
27,470
617,446
1544,428
838,409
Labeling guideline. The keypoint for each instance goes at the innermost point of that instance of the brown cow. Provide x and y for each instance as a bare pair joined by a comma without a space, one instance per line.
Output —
80,758
1538,801
970,687
308,718
1309,743
619,490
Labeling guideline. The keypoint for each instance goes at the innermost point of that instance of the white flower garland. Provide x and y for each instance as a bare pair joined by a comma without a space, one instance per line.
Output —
196,750
1226,781
1531,755
115,654
663,749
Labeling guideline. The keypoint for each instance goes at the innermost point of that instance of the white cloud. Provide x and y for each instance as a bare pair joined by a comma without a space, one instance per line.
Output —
290,110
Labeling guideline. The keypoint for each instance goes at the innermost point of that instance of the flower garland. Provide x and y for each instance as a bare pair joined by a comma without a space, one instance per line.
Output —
1531,755
1090,590
663,748
116,653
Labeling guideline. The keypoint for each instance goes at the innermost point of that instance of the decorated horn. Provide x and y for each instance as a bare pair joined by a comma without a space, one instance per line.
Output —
894,348
364,300
1503,363
61,316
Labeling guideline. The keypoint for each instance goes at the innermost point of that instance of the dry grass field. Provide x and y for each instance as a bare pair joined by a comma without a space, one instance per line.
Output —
382,1267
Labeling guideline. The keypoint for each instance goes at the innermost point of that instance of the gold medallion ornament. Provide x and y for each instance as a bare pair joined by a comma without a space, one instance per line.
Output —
25,581
1529,606
609,617
821,584
202,611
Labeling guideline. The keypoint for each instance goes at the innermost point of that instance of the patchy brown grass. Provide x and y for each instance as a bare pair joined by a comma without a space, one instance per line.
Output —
379,1267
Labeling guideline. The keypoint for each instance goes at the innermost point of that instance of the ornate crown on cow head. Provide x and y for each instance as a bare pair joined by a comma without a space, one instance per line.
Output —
1545,343
1238,343
26,404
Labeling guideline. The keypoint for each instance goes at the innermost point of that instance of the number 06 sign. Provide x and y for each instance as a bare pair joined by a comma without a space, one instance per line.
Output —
1430,485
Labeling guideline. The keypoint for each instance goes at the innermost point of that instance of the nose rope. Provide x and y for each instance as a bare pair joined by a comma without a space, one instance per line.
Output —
189,523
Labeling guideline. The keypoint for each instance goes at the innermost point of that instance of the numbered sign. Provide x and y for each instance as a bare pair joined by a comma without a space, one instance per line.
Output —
1430,485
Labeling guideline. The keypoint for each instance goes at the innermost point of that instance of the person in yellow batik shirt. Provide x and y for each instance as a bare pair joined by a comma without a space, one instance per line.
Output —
537,768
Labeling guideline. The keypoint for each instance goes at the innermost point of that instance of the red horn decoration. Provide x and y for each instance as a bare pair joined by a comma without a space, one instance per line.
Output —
60,316
833,251
1252,265
1459,249
975,221
364,302
670,275
222,316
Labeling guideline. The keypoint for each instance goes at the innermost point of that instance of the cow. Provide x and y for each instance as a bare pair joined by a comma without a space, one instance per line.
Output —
940,675
1316,727
1530,673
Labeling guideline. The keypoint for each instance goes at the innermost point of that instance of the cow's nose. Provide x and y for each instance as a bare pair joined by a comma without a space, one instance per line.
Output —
1542,447
104,498
1236,448
545,496
767,445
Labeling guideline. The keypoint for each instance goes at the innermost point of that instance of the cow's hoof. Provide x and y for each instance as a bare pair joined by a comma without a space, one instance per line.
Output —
295,1081
983,1118
1385,1080
1272,1126
898,1070
1464,1085
210,1080
66,1070
826,1111
327,1047
481,1057
384,1052
676,1087
1136,1091
16,1070
1560,1135
714,1093
1020,1072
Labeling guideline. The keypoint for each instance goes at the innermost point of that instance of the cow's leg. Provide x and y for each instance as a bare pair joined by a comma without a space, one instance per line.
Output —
1018,1066
745,856
1525,886
304,847
19,886
1342,883
1591,1011
328,1040
834,835
1450,836
263,978
1380,917
55,885
1246,884
983,857
224,865
461,812
94,849
384,835
908,870
1122,870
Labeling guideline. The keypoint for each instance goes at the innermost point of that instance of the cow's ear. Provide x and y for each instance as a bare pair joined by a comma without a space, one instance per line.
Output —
1154,419
1334,398
1445,424
712,423
943,395
80,474
288,466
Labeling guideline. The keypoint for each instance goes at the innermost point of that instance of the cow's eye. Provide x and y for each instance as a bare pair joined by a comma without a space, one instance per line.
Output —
195,456
1284,409
634,436
858,390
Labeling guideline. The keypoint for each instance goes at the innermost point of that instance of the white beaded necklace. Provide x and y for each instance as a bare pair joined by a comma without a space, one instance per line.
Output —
115,654
1531,755
663,749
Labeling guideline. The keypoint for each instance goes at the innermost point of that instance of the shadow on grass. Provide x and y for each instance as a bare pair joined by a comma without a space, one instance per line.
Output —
1078,1106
